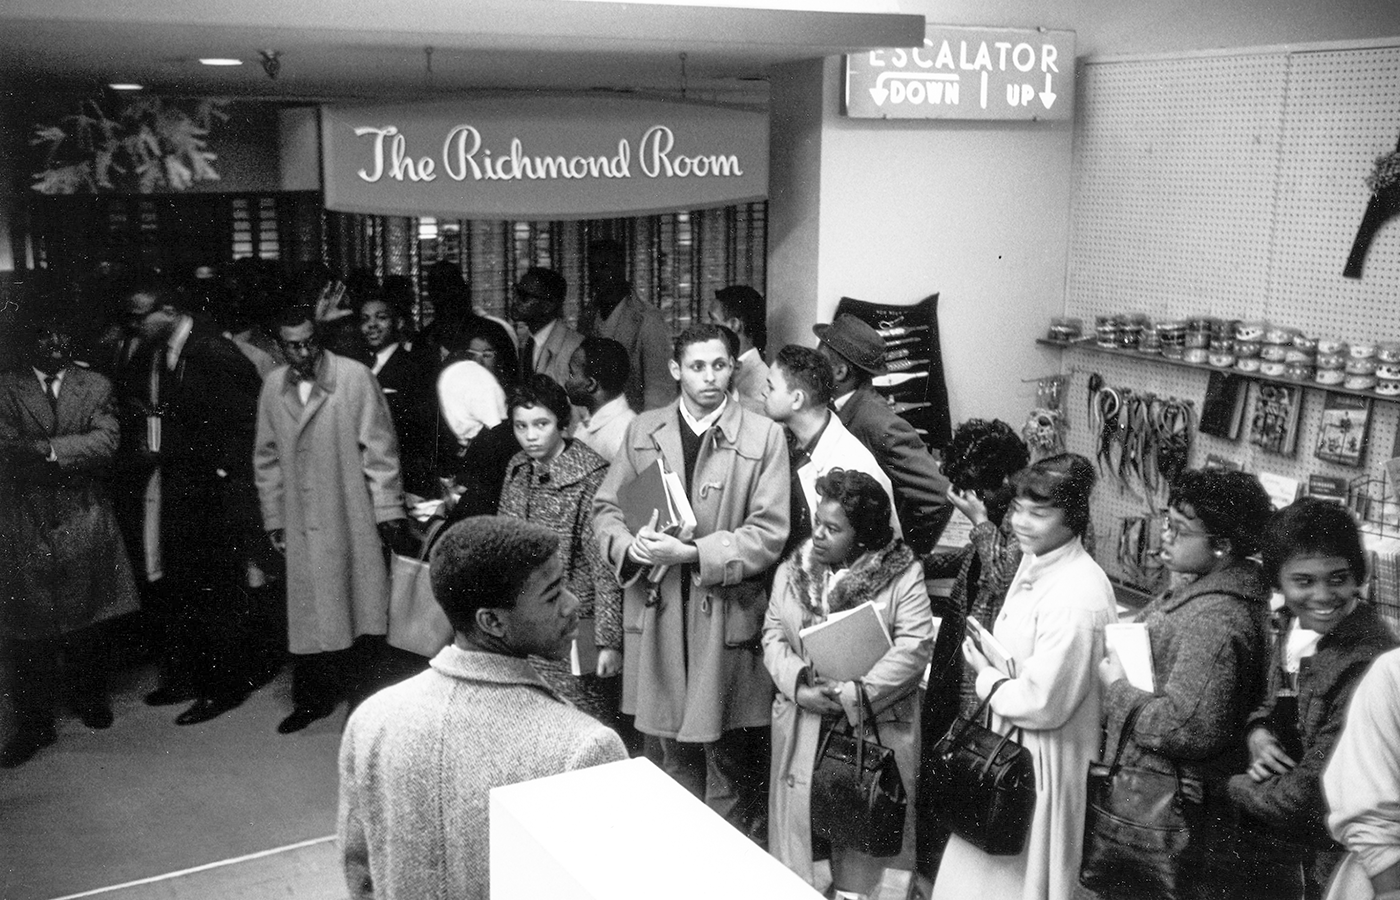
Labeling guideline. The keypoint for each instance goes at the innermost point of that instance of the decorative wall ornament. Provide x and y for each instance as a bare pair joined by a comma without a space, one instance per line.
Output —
144,146
1384,182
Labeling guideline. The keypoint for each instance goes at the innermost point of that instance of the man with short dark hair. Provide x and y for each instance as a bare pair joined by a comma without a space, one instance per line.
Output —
63,568
322,418
194,394
597,374
798,398
419,759
857,354
618,313
539,306
693,671
743,310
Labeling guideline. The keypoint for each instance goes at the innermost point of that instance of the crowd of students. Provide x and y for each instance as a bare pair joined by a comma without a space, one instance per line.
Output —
242,480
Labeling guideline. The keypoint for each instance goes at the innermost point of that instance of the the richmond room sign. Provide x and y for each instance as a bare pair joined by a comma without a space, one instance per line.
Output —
541,157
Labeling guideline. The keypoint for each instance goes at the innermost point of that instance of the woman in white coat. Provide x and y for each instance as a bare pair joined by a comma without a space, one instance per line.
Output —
852,557
1053,625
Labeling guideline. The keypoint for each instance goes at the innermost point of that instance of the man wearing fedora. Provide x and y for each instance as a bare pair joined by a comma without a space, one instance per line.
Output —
857,354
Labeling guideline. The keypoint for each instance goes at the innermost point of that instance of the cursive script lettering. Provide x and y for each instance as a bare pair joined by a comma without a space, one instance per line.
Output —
654,155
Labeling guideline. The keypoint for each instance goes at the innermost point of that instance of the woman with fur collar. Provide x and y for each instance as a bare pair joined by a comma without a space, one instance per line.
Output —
851,558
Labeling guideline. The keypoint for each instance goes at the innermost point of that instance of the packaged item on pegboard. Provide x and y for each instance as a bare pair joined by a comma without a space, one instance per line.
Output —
1375,503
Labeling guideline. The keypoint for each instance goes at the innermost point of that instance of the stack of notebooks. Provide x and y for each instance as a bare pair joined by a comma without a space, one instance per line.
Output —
848,643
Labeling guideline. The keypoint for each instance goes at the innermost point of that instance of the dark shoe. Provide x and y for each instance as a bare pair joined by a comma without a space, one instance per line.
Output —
95,715
206,708
166,695
302,717
27,742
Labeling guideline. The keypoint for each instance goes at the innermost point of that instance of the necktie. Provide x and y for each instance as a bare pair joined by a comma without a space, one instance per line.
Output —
51,391
527,357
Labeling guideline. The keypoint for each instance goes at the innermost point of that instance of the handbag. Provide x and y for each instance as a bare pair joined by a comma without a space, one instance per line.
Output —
1138,827
857,797
416,620
981,784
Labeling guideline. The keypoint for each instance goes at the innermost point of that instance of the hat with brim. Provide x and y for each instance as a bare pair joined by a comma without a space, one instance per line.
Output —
857,342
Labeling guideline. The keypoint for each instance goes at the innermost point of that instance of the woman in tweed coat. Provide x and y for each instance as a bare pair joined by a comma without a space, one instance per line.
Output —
551,481
1209,635
1313,554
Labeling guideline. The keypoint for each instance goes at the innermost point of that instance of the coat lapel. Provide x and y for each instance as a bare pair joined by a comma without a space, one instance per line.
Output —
72,400
31,395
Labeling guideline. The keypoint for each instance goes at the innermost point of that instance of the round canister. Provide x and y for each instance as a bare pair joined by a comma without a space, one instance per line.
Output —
1330,376
1299,372
1331,345
1273,352
1247,348
1247,364
1359,382
1222,360
1388,351
1388,387
1305,342
1330,361
1366,366
1363,349
1388,371
1272,368
1198,355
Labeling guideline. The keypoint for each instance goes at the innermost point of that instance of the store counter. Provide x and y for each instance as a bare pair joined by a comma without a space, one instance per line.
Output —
624,831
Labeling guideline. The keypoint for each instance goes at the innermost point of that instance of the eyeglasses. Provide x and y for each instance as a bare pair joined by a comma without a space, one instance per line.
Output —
1175,532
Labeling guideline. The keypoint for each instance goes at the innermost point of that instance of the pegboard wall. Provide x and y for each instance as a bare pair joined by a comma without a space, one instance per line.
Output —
1230,186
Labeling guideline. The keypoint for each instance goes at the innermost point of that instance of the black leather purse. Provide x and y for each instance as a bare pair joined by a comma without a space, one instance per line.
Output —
1138,828
981,784
857,797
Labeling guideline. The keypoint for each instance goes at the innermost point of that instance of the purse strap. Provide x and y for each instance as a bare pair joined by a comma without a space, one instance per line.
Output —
986,705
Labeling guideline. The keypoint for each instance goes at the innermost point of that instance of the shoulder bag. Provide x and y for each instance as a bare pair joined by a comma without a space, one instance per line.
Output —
416,620
1138,827
981,784
857,797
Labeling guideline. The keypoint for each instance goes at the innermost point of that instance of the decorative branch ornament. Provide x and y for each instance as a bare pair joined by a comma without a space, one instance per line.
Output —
147,145
1384,182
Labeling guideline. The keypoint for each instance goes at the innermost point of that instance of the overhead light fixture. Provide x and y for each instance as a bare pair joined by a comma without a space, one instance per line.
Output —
220,61
126,87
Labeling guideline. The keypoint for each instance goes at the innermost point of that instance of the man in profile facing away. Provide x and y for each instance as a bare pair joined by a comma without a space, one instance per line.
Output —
418,760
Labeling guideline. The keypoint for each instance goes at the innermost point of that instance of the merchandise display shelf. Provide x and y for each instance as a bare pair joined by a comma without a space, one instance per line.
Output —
1090,347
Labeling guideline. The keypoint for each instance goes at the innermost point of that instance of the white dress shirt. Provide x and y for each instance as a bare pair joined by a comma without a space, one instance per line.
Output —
471,399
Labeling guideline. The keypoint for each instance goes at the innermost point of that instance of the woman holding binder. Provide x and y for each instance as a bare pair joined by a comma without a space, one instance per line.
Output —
851,559
1209,638
1052,625
551,482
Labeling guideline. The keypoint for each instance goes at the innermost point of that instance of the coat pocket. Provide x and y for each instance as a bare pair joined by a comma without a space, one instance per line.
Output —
742,606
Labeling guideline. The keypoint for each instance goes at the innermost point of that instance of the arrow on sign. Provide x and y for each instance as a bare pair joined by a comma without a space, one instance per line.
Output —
879,93
1047,96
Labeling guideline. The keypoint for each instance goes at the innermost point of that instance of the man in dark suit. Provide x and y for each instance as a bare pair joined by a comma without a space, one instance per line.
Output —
857,354
539,306
63,569
200,404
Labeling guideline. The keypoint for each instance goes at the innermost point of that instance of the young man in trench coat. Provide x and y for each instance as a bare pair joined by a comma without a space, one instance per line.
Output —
693,666
326,464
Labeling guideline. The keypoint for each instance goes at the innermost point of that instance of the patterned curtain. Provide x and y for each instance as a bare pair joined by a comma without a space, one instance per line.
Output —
677,260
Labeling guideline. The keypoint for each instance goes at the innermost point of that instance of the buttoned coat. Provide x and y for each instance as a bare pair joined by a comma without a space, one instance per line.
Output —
1053,625
65,564
894,581
920,490
696,666
642,329
418,762
327,474
1291,805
